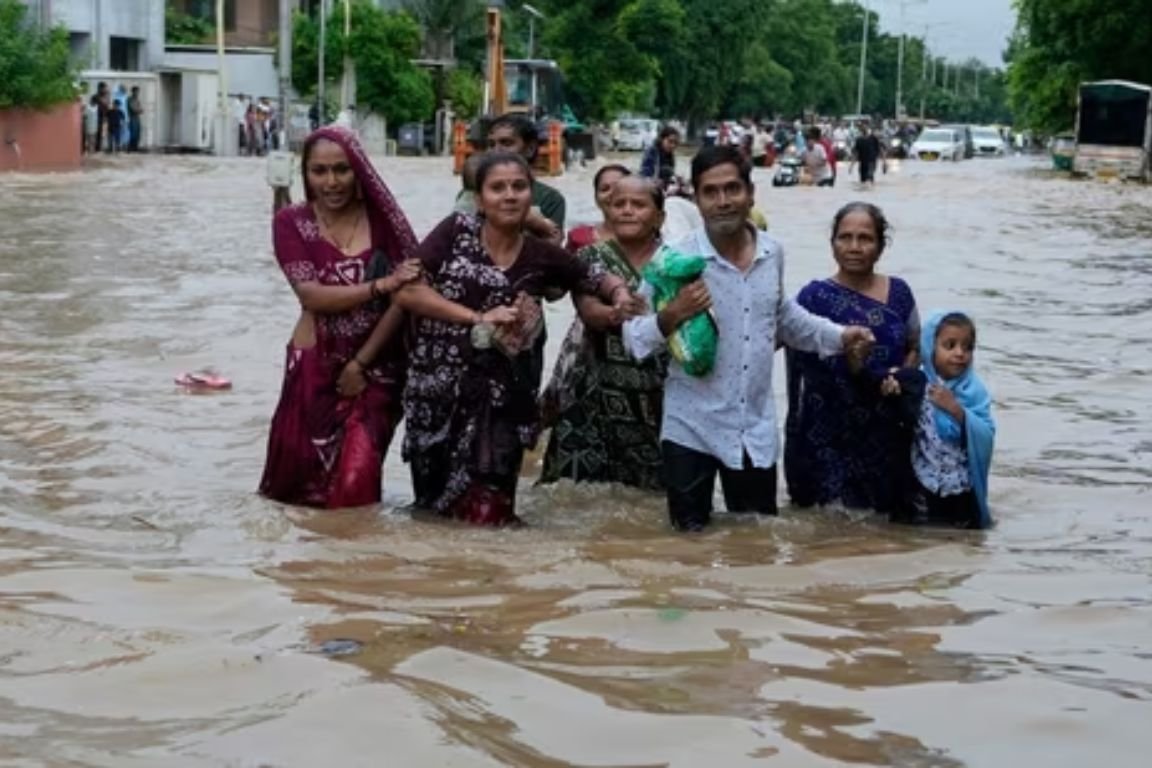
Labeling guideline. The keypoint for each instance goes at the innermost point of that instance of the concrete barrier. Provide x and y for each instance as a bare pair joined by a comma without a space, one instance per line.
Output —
33,140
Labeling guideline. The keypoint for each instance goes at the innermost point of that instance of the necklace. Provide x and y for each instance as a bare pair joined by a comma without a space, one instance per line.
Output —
330,231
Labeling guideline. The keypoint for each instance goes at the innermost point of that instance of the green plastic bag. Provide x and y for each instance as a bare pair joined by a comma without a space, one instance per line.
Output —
693,344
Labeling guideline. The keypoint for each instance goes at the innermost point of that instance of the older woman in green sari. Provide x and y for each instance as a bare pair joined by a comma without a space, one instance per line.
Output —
606,426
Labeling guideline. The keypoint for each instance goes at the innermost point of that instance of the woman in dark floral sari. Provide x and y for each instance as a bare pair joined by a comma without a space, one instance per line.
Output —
470,402
849,428
343,251
607,428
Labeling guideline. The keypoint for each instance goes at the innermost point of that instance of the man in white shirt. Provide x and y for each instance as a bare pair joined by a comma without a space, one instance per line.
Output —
725,422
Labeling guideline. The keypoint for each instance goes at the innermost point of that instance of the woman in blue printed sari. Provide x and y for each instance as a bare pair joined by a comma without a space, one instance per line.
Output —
849,429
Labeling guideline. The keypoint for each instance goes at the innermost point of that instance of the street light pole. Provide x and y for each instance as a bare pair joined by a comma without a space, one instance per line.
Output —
863,61
533,14
320,65
223,135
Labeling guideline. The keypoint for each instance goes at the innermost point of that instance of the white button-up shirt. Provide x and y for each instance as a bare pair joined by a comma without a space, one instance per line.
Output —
731,411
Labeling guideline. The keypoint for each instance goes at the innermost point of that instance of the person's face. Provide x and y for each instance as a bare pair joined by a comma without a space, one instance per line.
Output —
604,188
724,200
506,196
632,211
331,179
856,244
670,142
953,353
504,138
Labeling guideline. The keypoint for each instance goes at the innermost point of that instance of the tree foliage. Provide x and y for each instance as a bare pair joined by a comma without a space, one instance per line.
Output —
699,59
35,64
1060,43
382,46
182,29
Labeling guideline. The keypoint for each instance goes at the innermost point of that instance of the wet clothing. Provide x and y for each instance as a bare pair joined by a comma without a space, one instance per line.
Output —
868,151
935,457
325,450
691,478
472,411
608,404
844,441
730,414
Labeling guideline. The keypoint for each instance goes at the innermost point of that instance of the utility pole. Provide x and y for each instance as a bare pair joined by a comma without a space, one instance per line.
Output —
285,67
320,65
863,61
223,134
348,82
923,72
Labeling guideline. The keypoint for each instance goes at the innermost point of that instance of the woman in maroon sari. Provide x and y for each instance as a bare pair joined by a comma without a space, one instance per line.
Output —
344,251
475,366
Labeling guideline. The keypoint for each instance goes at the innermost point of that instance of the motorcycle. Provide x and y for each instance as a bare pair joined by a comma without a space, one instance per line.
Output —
842,149
897,148
787,171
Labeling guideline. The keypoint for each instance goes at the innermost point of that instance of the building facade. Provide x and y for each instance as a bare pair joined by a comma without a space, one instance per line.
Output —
123,35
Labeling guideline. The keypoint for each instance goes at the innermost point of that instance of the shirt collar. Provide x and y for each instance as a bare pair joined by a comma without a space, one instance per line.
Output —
707,250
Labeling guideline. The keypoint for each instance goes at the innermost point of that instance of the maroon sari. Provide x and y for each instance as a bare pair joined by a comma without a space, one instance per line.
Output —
325,450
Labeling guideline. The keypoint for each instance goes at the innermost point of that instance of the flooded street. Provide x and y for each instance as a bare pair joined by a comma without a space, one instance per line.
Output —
154,611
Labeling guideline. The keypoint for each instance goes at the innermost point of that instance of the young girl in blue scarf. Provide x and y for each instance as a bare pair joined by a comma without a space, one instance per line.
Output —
952,451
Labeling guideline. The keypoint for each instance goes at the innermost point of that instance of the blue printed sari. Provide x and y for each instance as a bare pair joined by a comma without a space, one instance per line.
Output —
844,441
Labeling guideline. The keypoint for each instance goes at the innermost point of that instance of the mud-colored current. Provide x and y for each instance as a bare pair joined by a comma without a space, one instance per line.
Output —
154,611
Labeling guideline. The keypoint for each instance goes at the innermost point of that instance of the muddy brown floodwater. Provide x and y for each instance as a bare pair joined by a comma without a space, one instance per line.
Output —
155,612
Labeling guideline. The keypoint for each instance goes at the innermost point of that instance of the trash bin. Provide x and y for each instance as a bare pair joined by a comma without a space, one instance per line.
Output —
411,139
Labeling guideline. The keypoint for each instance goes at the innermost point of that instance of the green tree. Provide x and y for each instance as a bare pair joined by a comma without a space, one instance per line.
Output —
1060,43
382,46
182,29
35,64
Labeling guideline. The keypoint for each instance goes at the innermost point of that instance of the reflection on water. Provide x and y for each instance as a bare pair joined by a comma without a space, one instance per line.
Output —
154,611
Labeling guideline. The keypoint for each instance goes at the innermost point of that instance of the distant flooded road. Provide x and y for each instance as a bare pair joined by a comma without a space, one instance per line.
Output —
154,611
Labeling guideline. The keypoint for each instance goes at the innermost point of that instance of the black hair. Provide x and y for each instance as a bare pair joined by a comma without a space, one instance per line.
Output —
720,154
957,320
623,170
468,172
493,159
813,132
666,131
523,127
879,222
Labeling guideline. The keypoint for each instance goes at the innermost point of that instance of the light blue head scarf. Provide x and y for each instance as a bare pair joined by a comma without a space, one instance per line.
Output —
979,430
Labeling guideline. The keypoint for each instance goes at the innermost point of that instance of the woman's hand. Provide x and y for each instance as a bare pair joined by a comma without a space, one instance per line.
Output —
500,316
408,272
351,381
890,386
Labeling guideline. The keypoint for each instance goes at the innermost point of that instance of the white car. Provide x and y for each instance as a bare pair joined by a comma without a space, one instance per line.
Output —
938,144
637,133
988,141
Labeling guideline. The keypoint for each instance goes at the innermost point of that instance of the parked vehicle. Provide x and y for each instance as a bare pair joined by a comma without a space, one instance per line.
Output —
938,144
988,141
637,133
1114,130
966,140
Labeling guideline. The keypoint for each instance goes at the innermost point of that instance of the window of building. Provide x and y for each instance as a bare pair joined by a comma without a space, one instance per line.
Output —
80,45
124,53
206,10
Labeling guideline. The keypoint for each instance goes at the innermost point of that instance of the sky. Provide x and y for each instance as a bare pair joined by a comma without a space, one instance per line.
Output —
958,29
